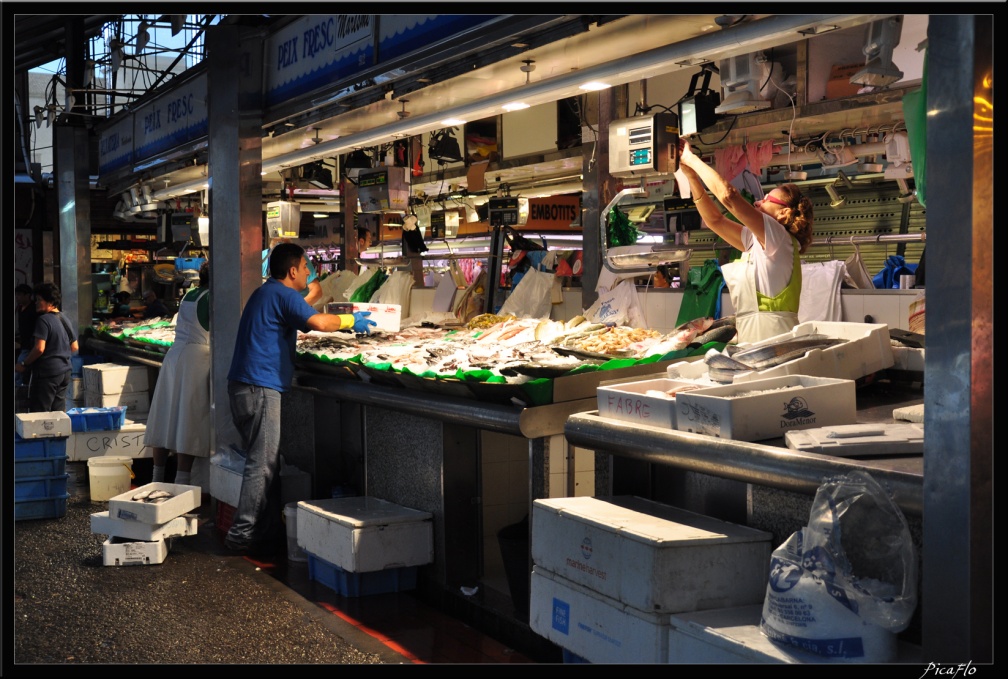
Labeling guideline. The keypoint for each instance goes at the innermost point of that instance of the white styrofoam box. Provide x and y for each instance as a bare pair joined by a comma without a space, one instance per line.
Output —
127,441
908,358
76,390
867,350
767,408
364,534
112,378
732,635
120,552
641,401
598,628
185,525
184,499
226,482
860,439
135,401
649,555
385,316
42,425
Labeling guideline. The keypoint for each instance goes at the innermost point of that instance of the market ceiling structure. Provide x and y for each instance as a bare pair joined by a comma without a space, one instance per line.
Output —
535,59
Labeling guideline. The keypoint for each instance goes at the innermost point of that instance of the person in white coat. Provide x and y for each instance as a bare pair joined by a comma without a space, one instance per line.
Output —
765,283
179,417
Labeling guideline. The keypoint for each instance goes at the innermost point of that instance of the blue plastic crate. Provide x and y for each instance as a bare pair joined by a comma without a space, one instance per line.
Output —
189,263
40,487
350,584
47,508
35,448
33,467
97,419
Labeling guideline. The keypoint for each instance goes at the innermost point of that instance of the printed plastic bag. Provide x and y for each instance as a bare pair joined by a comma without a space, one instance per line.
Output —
619,306
845,584
532,298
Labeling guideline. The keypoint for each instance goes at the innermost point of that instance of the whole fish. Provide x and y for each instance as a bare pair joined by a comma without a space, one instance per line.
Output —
769,355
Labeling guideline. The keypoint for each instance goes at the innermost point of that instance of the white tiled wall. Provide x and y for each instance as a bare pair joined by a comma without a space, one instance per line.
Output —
584,469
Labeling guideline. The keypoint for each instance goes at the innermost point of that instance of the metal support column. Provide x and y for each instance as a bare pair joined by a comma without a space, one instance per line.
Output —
234,110
957,585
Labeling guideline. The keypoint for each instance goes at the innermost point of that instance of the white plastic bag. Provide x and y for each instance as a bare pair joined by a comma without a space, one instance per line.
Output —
845,584
531,298
619,306
396,290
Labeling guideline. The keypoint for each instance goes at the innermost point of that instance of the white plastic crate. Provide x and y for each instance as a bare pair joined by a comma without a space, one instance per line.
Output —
103,524
226,482
867,350
121,552
126,442
596,627
363,534
184,499
112,378
768,408
631,402
42,425
648,555
135,401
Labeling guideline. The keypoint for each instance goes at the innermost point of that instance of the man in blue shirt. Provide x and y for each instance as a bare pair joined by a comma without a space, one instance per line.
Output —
261,369
312,291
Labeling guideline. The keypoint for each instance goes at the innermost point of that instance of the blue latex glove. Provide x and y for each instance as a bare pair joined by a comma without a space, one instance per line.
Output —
362,324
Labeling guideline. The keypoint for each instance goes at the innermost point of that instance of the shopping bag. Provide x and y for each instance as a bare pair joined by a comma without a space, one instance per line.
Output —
531,298
618,306
846,583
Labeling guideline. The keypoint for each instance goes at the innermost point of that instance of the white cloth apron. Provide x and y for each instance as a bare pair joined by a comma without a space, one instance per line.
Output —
179,417
751,324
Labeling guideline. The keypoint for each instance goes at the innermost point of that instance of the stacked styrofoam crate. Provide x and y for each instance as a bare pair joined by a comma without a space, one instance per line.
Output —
358,546
140,529
40,477
111,384
610,573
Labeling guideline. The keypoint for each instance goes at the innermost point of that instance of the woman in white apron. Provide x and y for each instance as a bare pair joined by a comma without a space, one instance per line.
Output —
179,417
765,283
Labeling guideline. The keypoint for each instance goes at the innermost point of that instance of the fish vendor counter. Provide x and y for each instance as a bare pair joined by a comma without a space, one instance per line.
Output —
419,421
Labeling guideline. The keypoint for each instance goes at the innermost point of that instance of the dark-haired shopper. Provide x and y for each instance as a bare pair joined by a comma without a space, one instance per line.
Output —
55,341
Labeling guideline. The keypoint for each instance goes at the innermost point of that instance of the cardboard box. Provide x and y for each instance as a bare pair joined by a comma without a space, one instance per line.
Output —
839,84
134,401
120,552
126,442
185,525
363,534
112,378
386,316
594,626
631,402
42,425
225,482
184,499
648,555
768,408
867,350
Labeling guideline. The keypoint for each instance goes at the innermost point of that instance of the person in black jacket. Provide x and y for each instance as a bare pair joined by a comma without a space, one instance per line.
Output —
55,340
155,307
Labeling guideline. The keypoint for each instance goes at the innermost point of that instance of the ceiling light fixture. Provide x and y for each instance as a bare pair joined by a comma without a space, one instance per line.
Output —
879,70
